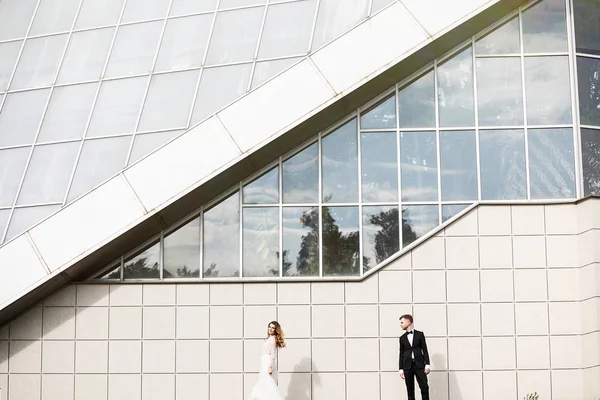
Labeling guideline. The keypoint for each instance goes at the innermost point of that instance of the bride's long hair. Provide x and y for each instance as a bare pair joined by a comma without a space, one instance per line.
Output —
279,336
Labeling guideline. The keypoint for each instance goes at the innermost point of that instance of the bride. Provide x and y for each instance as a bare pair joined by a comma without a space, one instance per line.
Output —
266,388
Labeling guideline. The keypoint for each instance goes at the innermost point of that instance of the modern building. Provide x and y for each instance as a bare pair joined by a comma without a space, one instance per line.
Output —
175,174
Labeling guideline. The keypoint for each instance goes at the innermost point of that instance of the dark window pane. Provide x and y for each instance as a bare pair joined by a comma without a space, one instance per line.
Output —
450,210
143,265
590,149
418,151
502,155
551,163
300,241
548,90
587,25
588,74
263,190
499,92
502,40
379,166
380,116
301,176
416,103
221,239
261,242
340,241
381,235
455,90
545,27
418,221
182,252
340,165
458,165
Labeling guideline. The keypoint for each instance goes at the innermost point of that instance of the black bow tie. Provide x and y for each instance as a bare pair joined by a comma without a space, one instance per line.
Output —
410,333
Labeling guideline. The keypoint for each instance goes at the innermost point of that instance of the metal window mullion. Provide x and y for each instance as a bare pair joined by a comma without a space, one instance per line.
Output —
314,28
320,207
280,216
360,190
399,162
161,255
201,233
438,154
370,9
241,218
523,90
476,114
260,34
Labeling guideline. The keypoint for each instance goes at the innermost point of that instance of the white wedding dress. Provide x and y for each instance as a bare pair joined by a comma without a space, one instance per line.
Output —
266,388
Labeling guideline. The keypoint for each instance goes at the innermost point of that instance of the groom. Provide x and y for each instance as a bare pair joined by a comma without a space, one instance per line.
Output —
414,358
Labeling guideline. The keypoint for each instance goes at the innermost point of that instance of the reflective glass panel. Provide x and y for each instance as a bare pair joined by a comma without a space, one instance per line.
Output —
587,25
379,166
86,55
455,90
499,91
15,16
12,166
143,265
263,190
99,160
134,49
221,239
20,117
418,221
458,165
545,27
140,10
417,103
39,62
379,5
588,74
502,157
300,241
301,176
545,76
261,242
590,149
335,17
380,116
96,13
182,252
235,36
169,101
502,40
184,42
418,166
182,7
145,143
341,256
239,3
339,156
54,16
48,174
25,218
8,58
381,235
112,274
68,113
450,210
265,70
551,163
4,215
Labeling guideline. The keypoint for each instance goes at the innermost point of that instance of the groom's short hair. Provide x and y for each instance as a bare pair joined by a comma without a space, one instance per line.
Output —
408,317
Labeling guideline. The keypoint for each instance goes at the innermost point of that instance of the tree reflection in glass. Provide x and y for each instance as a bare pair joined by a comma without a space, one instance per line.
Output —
379,166
499,91
455,90
418,155
502,158
502,40
381,116
416,103
263,190
143,265
301,176
114,273
588,74
380,235
458,158
548,90
590,149
545,27
340,164
260,252
341,256
221,239
182,252
300,241
417,221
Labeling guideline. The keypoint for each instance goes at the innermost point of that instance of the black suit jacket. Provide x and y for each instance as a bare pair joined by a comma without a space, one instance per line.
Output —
419,348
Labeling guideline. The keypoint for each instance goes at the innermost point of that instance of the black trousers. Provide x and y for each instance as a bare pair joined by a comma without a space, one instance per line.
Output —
409,378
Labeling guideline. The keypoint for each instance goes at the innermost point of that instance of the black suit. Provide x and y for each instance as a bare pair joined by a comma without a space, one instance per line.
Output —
414,366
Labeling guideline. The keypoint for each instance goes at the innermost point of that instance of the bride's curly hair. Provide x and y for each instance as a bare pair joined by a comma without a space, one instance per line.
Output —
279,336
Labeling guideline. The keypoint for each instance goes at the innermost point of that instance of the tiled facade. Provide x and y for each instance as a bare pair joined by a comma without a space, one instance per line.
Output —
508,297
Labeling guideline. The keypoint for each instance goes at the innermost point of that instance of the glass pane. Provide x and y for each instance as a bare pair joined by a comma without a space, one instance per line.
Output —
551,163
287,30
380,116
68,113
502,40
48,174
144,265
300,241
264,190
455,90
184,43
99,160
12,166
219,87
182,252
86,56
265,70
25,218
182,7
261,242
301,176
418,168
96,13
20,117
4,215
169,101
336,17
39,62
458,165
140,10
15,16
379,5
112,274
418,221
588,74
545,27
544,76
341,255
134,49
54,16
450,210
8,58
145,143
590,149
381,235
379,166
239,3
503,174
587,26
118,106
340,165
235,36
416,103
221,239
499,91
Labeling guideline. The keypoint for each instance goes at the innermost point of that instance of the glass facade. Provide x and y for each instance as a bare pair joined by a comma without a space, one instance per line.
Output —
490,121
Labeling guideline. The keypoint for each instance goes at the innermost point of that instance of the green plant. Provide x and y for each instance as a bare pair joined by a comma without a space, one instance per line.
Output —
531,396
